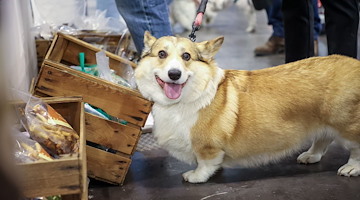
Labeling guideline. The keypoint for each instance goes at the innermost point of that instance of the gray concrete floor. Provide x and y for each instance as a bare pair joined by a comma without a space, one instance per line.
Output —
156,175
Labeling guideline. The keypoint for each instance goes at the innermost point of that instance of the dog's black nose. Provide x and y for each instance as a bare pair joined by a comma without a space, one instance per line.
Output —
174,74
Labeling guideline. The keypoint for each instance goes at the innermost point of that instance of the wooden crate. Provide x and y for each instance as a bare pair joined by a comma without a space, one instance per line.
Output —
57,79
68,176
42,47
109,42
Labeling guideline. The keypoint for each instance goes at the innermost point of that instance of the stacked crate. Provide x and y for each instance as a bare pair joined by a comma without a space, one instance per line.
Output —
65,176
56,78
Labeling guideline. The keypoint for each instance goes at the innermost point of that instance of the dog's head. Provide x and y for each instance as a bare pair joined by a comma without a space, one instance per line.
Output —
174,69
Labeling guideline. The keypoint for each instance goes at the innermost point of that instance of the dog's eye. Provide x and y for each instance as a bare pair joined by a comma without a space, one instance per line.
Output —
162,54
186,56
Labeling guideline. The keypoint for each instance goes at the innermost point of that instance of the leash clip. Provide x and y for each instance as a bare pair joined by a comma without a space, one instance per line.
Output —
198,20
192,35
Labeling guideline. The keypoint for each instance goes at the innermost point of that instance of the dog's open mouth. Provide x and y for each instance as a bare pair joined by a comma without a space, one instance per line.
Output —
172,90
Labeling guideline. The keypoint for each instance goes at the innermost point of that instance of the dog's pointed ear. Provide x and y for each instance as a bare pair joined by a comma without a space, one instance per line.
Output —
149,40
208,49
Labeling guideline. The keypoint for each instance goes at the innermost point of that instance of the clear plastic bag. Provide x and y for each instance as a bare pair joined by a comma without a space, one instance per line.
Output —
102,62
126,47
28,150
96,22
47,126
108,74
46,22
129,76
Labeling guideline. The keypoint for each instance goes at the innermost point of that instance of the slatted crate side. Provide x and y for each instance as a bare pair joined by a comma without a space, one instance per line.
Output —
41,48
65,176
65,49
51,178
119,137
71,57
107,167
59,80
122,138
57,49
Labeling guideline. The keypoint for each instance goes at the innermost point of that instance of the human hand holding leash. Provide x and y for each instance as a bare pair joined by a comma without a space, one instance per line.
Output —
198,20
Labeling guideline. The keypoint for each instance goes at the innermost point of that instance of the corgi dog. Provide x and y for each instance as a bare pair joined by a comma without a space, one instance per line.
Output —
217,118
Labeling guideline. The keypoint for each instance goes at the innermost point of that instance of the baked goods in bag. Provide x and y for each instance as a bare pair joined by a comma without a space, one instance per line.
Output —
50,129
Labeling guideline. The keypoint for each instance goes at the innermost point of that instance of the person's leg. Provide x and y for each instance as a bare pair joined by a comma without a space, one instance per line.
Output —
341,24
276,18
317,27
275,44
145,15
317,20
299,31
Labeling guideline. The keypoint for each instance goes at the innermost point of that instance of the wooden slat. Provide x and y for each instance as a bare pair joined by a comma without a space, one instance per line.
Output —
53,100
113,135
57,49
50,178
99,37
69,112
41,47
113,100
71,57
67,69
56,100
105,166
82,151
88,46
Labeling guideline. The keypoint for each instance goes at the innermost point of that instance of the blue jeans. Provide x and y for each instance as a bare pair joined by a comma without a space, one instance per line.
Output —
275,18
145,15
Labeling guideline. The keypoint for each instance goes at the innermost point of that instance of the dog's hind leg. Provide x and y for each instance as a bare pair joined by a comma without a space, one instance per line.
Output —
352,168
205,169
316,151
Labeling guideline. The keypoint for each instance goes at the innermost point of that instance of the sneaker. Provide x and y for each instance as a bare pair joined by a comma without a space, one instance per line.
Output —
274,45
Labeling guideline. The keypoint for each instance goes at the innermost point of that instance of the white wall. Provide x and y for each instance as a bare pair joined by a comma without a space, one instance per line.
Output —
18,47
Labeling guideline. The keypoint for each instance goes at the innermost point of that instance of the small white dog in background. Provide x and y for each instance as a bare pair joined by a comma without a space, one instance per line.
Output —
184,12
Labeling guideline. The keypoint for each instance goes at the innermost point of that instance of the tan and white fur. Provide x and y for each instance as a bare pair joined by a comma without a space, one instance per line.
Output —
184,12
215,117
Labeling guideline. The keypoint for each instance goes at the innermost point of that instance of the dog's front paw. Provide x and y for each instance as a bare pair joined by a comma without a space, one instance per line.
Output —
308,158
193,177
349,169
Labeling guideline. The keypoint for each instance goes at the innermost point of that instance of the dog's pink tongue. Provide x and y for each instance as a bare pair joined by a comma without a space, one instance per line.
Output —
172,91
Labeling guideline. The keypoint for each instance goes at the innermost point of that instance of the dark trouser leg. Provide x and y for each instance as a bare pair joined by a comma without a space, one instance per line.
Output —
299,31
341,24
275,18
317,20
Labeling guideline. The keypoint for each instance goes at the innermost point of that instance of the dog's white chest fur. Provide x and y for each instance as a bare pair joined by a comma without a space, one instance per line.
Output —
172,130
